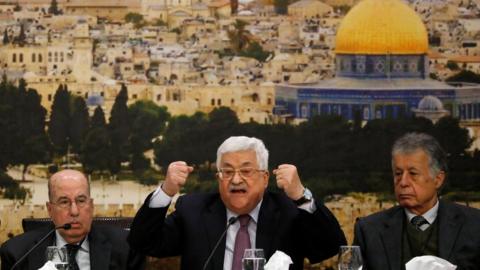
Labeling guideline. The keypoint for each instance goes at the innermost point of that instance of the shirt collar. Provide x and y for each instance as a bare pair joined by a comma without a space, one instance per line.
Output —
60,242
253,214
430,215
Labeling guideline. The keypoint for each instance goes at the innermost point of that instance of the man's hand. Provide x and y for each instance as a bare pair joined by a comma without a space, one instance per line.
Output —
177,174
288,180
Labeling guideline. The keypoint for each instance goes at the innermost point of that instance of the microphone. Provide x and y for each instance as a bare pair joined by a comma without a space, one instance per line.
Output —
66,226
230,222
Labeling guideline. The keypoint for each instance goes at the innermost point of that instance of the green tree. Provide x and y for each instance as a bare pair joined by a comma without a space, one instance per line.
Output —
79,123
148,121
119,130
255,50
135,18
95,153
281,6
59,127
465,76
233,6
6,39
53,9
22,37
239,36
452,65
17,7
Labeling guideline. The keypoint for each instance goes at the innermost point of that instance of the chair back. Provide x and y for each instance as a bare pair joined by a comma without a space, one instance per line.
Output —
29,224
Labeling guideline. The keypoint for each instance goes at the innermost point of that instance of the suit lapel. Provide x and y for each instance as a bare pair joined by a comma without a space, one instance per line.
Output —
391,236
215,223
100,251
37,257
268,222
450,223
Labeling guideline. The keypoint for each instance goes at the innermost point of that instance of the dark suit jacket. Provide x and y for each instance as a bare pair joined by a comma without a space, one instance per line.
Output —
380,236
200,219
108,250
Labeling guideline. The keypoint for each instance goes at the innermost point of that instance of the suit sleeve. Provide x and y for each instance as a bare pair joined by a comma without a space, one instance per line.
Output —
153,234
321,234
7,258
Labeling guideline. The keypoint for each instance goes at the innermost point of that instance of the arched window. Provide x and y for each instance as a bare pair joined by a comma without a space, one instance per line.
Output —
34,58
14,58
20,58
40,58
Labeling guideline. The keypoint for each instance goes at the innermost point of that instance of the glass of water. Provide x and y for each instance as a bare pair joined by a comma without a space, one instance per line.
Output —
57,255
349,258
253,259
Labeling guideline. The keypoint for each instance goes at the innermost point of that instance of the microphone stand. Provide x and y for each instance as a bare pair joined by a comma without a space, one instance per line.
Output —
230,222
65,227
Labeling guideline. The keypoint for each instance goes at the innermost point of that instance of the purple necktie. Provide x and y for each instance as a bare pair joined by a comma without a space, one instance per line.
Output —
242,241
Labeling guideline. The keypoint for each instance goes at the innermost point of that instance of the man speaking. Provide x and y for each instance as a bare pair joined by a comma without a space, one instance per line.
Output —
291,221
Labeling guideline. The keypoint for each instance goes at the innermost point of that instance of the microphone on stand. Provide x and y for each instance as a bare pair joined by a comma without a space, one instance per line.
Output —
66,226
230,222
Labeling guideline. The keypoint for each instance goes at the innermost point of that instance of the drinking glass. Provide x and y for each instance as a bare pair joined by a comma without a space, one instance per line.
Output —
59,256
253,259
349,258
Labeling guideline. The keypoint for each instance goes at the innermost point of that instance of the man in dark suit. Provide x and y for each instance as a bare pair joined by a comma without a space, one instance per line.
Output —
291,221
94,247
421,224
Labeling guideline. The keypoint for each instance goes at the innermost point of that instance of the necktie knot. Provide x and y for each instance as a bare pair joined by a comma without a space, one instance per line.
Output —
419,221
244,220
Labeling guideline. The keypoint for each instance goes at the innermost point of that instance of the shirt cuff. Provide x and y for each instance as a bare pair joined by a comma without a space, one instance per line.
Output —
310,206
159,198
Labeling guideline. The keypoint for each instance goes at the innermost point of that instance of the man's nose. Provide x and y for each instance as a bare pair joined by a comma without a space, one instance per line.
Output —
74,209
404,179
237,179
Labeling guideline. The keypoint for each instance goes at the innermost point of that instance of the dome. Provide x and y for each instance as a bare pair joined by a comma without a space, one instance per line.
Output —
430,103
381,27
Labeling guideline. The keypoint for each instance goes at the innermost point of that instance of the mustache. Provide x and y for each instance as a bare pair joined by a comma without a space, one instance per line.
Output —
239,187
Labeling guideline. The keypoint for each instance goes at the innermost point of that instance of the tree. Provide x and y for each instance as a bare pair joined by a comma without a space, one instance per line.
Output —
6,39
452,65
95,152
148,121
17,7
135,18
78,123
119,130
53,9
281,6
233,6
22,37
239,36
58,127
255,50
465,76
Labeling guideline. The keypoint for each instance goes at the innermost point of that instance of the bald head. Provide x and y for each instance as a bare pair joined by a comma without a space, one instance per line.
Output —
68,174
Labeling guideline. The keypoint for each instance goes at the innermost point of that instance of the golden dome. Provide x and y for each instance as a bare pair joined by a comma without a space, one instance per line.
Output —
381,27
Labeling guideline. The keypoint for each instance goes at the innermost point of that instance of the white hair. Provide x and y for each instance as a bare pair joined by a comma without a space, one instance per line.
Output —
242,143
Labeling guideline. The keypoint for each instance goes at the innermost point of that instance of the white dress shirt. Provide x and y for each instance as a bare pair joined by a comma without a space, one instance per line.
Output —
161,199
430,216
83,254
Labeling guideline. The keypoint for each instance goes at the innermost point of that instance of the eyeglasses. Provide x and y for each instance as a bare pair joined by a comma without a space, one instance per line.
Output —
245,172
65,203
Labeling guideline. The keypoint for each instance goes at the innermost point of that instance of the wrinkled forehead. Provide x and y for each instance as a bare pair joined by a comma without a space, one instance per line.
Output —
239,158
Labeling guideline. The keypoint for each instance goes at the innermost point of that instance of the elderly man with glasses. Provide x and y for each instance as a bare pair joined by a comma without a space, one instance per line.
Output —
89,247
251,217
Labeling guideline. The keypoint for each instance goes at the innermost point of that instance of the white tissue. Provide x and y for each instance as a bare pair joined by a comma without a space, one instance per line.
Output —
429,263
49,265
278,261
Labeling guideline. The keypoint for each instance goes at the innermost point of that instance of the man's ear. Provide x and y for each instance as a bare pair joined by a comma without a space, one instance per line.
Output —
439,179
265,178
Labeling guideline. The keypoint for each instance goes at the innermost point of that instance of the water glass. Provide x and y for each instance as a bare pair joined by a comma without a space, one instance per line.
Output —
253,259
349,258
57,255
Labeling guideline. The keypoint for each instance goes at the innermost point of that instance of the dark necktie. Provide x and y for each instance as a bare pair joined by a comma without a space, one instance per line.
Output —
72,250
242,242
418,221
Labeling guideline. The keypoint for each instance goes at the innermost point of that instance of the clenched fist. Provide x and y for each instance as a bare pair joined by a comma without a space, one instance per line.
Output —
289,181
177,174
